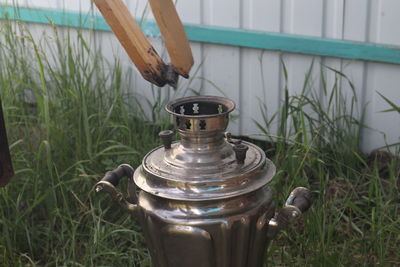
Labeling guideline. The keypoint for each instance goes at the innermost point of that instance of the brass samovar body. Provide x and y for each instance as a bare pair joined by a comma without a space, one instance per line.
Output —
204,201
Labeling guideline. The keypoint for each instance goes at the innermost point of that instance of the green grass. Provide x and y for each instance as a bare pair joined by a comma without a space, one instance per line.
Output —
69,120
355,219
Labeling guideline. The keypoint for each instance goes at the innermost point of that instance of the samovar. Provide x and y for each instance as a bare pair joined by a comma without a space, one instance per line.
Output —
204,201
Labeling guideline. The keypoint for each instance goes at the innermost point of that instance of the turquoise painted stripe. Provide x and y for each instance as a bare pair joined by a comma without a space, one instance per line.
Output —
222,36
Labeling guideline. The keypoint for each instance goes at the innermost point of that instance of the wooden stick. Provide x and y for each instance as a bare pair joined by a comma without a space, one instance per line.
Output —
174,35
135,43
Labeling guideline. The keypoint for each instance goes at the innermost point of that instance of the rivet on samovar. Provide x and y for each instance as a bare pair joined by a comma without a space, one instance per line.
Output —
204,201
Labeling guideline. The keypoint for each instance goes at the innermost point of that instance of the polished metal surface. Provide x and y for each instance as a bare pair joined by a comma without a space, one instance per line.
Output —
220,233
204,201
203,165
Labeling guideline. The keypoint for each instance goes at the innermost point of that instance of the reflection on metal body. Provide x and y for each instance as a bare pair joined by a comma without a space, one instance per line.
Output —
204,201
231,232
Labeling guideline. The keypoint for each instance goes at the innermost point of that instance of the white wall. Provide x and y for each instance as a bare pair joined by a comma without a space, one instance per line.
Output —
249,75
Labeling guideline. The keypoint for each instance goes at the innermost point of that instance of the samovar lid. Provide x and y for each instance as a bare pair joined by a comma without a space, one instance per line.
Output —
205,164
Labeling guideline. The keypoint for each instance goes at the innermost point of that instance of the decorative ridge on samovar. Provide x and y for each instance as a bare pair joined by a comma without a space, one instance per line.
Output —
206,163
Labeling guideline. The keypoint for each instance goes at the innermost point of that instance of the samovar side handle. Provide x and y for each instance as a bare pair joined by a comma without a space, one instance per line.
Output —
111,180
298,202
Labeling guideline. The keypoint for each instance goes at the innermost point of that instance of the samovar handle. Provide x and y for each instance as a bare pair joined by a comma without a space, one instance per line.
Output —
298,202
111,180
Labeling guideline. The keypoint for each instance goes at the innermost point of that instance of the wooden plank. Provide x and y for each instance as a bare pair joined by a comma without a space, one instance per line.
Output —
74,5
382,79
260,70
222,64
333,17
190,12
173,35
355,20
384,126
291,43
388,18
355,16
35,3
6,169
302,17
133,40
140,9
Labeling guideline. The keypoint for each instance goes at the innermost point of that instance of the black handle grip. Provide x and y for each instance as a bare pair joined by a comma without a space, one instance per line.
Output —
113,177
298,202
301,198
111,180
